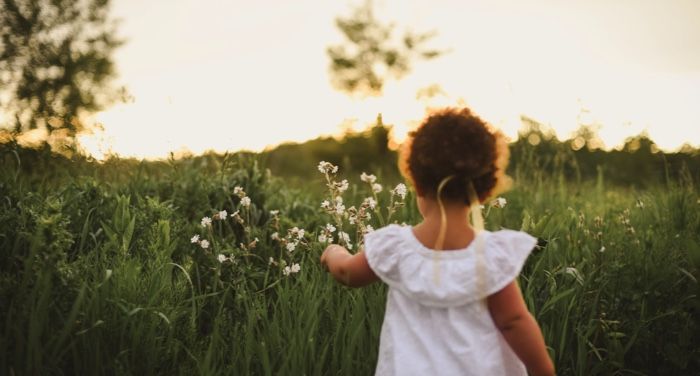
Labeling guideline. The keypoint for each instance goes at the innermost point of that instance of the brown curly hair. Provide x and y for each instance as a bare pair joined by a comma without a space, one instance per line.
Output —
457,145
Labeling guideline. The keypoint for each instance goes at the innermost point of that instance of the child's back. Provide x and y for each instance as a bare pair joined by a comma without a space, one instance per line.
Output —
451,309
436,316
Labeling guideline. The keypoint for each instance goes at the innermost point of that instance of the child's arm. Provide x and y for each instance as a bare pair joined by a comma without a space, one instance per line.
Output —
520,329
350,270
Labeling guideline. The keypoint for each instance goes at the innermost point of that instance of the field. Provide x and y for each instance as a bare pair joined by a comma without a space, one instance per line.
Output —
101,272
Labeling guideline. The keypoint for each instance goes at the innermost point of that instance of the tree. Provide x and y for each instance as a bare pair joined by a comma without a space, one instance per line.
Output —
55,63
370,54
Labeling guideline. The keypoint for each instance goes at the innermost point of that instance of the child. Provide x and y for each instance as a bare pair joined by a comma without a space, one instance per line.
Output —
453,306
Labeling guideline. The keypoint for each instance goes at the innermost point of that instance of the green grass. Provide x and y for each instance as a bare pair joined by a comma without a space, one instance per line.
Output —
98,274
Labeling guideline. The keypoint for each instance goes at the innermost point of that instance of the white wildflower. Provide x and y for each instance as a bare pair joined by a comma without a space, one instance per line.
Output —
330,227
222,215
368,178
376,187
238,191
325,204
339,200
602,249
245,201
370,202
342,235
295,268
195,239
499,202
270,261
339,208
274,213
369,228
352,219
291,246
327,167
322,238
400,190
204,244
206,221
221,258
299,232
343,186
275,236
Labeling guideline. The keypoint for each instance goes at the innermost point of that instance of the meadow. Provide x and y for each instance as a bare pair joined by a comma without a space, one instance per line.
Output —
209,265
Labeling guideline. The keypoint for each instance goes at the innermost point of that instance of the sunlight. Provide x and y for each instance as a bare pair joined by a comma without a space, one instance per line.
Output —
257,84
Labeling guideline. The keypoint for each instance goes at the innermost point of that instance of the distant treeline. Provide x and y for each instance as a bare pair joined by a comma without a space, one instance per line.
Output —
536,153
638,163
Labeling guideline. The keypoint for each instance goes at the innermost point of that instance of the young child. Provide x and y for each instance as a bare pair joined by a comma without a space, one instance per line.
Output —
453,306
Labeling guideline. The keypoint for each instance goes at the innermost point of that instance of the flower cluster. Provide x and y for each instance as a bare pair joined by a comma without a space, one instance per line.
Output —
245,200
222,215
327,168
400,190
206,223
204,243
360,216
294,268
326,235
294,240
499,202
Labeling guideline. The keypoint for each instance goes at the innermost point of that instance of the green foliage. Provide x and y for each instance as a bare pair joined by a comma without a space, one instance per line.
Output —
357,152
99,274
55,56
370,54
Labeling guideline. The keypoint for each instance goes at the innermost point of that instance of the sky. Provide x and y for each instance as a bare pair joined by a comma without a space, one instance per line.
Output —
230,75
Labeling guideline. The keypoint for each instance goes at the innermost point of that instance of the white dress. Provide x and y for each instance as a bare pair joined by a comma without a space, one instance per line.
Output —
437,321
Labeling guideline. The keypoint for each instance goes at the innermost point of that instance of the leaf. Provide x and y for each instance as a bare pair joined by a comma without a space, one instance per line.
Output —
551,302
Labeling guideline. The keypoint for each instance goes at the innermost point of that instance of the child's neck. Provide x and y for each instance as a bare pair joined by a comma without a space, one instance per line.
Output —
458,231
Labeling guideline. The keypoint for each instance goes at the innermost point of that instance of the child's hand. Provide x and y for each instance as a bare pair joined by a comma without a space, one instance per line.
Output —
348,269
329,252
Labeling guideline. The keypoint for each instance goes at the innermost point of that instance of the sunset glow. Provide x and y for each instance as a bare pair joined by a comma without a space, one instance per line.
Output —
231,75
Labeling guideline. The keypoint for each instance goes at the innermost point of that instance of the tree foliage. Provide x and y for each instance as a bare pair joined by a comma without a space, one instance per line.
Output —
371,54
55,63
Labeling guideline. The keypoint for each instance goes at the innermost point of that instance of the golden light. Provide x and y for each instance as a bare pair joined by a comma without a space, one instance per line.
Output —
234,75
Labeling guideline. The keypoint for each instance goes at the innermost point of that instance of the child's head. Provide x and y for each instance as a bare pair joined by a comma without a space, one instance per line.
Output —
455,144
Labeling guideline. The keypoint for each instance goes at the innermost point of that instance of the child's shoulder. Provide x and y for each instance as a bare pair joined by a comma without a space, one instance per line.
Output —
507,240
386,236
488,264
392,229
501,241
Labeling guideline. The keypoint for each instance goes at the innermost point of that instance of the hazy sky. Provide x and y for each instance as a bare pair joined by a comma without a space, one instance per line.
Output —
229,74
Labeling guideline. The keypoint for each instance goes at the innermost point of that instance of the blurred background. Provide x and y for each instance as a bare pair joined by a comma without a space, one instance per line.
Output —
143,79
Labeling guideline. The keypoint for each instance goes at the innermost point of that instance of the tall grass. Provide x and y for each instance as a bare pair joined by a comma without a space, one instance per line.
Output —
98,274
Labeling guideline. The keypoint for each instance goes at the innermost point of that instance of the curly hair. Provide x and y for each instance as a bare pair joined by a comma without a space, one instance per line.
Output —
457,145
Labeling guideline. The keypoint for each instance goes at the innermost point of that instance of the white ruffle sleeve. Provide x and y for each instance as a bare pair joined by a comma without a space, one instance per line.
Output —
447,278
505,256
383,249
